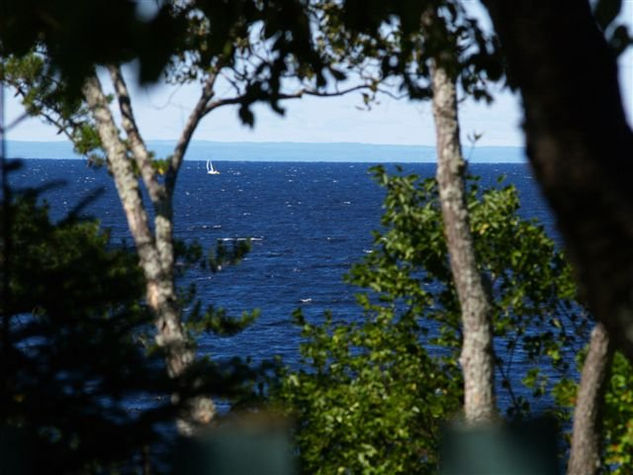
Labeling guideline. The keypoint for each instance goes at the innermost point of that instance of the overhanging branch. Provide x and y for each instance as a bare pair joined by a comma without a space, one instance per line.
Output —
245,99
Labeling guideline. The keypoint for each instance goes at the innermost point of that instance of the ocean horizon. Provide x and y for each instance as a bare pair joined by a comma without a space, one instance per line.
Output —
350,152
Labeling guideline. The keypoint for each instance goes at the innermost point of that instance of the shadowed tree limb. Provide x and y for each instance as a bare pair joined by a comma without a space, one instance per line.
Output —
578,143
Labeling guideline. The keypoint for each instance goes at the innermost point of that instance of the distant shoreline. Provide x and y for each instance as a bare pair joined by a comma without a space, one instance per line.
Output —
200,150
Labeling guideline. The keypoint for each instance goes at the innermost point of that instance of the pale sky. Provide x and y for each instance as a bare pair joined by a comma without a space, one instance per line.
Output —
161,112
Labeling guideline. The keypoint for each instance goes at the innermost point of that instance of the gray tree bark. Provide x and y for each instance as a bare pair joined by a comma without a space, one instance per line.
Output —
155,250
477,359
578,142
584,457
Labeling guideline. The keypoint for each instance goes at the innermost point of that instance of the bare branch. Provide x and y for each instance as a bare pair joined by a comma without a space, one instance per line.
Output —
340,92
137,145
232,82
198,112
244,99
59,123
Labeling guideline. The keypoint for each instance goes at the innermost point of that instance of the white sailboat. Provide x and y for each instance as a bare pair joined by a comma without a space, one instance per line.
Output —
210,169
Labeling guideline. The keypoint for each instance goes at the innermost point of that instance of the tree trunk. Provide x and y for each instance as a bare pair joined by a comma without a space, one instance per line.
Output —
477,358
578,142
156,258
584,457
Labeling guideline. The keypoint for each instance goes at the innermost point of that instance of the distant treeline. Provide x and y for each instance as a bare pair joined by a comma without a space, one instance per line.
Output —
283,152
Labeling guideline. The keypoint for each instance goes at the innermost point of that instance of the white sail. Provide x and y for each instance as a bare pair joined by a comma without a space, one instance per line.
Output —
210,169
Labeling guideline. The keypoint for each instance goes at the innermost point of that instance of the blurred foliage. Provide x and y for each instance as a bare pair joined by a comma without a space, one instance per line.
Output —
73,370
618,416
261,43
616,32
370,396
260,47
365,371
83,384
397,40
78,35
214,320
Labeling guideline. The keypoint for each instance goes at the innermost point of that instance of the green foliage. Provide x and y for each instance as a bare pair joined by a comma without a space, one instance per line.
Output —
215,320
71,363
372,400
74,340
223,256
212,319
618,416
45,95
236,380
370,395
529,281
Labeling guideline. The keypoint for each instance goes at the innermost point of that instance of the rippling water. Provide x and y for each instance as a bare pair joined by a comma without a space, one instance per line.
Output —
308,222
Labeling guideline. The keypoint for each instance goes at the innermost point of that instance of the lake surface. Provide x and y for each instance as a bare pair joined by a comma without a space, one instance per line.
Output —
308,223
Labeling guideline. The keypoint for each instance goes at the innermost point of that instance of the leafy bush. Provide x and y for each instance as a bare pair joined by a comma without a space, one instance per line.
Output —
371,396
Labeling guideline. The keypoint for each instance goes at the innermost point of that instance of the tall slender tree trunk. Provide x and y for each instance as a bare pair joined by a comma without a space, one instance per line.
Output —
155,253
578,142
584,457
477,357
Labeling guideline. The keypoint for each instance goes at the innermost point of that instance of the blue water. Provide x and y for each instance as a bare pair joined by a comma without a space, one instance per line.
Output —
309,222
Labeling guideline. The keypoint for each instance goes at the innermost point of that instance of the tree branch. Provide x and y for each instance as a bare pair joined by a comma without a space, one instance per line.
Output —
244,99
198,112
62,128
137,145
584,455
579,144
121,168
163,220
156,262
15,122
